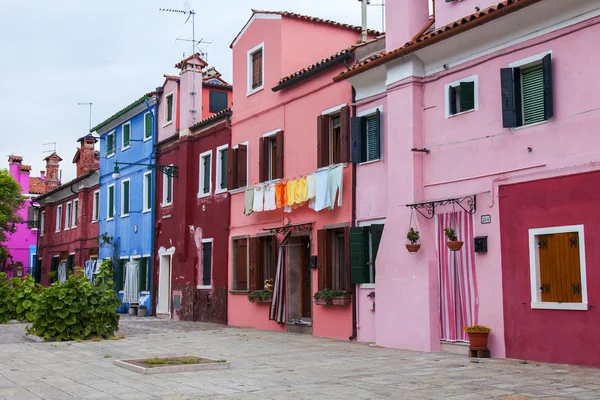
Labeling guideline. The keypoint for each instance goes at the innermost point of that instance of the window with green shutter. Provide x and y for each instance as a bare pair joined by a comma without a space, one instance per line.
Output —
110,144
120,278
366,137
126,135
111,202
147,125
125,198
461,96
373,137
364,245
144,279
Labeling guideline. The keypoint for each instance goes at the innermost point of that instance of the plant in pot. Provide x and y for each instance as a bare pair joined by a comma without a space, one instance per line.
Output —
260,296
453,243
478,336
413,237
327,297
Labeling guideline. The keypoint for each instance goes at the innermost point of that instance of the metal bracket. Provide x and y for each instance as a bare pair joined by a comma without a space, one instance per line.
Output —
427,209
307,227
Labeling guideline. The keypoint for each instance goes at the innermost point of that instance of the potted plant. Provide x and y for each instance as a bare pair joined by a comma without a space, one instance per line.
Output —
453,243
260,296
269,284
478,336
327,297
341,298
413,237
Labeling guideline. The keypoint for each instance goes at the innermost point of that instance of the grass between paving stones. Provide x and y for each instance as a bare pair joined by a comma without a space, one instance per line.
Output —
170,361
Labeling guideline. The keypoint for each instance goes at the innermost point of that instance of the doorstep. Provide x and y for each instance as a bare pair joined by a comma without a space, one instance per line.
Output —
304,327
461,348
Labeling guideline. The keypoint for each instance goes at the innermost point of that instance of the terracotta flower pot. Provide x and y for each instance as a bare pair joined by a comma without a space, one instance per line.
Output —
341,301
455,245
322,302
478,340
413,247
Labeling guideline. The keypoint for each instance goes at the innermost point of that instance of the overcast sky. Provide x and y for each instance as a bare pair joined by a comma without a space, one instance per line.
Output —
56,53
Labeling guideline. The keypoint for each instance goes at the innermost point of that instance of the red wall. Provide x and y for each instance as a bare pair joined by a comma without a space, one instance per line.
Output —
206,99
557,336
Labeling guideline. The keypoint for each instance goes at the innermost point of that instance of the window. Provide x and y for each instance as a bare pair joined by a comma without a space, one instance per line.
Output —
167,190
59,215
205,174
147,187
237,167
53,276
32,217
42,223
462,96
206,263
333,259
256,73
110,203
217,101
75,213
125,202
70,264
221,169
333,143
266,260
144,278
126,136
120,281
68,215
364,245
240,264
557,268
147,126
169,109
366,137
96,206
271,156
527,96
110,144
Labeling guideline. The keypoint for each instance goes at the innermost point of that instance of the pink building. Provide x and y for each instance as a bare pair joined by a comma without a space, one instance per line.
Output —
290,124
22,244
488,128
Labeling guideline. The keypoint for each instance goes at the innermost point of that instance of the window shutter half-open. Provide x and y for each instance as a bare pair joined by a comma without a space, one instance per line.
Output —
356,134
467,96
376,233
231,168
452,100
147,125
345,134
322,258
263,159
322,141
548,90
373,137
242,169
509,110
359,255
279,153
252,265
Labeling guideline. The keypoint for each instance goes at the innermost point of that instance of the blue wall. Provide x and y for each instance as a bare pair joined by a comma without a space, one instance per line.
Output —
134,232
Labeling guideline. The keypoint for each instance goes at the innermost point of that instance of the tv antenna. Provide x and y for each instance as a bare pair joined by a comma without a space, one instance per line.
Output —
87,104
382,5
190,14
53,144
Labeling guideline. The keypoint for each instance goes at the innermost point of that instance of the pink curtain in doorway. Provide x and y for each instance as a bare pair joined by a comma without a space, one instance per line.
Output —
458,283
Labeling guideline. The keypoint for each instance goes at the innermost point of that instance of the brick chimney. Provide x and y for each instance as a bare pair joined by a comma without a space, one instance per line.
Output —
52,171
86,157
403,20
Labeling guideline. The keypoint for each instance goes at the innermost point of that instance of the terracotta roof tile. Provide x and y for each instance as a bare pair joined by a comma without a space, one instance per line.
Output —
315,65
36,185
213,117
433,35
196,56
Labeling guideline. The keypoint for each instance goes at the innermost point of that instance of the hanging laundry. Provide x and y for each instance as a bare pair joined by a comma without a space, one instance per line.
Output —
62,272
298,191
301,190
290,192
336,179
287,209
269,194
257,204
88,269
311,186
280,200
131,293
322,195
248,200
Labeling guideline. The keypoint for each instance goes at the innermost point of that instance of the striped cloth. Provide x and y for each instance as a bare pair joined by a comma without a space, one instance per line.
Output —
458,283
278,311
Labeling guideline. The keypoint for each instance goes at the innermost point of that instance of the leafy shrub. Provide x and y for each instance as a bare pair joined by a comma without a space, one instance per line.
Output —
413,236
23,298
450,234
76,309
328,294
5,299
477,328
260,295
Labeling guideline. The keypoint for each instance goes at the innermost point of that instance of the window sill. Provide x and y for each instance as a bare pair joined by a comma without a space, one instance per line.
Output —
219,191
73,227
461,113
166,204
110,155
239,292
148,138
110,219
204,287
66,229
95,221
203,195
58,231
167,123
238,190
146,211
124,215
559,306
252,91
370,162
367,286
125,148
518,128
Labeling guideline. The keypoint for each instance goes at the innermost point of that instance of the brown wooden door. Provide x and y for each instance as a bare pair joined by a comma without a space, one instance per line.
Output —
305,279
560,274
241,267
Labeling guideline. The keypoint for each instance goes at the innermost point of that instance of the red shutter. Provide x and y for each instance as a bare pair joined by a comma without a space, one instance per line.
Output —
322,141
242,170
345,134
263,162
279,154
231,156
253,267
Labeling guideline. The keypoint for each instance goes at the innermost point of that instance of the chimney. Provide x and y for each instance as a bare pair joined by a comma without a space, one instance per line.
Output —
43,175
363,35
403,20
52,180
14,166
25,170
86,157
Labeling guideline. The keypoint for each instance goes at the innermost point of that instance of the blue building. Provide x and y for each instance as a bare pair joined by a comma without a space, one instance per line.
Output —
127,198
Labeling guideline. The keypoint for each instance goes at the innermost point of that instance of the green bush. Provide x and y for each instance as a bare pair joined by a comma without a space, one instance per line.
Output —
328,294
5,299
23,298
76,309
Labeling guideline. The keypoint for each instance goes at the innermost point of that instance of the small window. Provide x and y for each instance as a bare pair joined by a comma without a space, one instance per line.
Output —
461,97
121,274
207,245
147,191
366,137
68,216
237,167
167,190
333,259
42,223
125,196
110,202
169,108
96,206
205,174
70,264
240,264
110,144
364,245
75,213
256,72
32,217
271,157
126,136
147,126
222,152
333,138
59,215
217,101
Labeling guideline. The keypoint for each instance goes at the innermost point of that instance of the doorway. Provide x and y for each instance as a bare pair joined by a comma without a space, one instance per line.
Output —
164,287
299,279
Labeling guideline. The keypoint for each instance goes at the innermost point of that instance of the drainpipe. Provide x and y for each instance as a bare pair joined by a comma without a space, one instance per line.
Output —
356,287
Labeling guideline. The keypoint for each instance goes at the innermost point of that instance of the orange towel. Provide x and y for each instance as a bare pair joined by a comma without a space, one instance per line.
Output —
280,198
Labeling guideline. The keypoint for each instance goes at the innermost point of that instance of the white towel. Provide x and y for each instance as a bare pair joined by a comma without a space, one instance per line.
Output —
322,195
269,194
257,204
62,272
336,179
311,183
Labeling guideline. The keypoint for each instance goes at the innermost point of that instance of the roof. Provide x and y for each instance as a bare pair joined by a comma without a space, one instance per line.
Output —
196,56
308,18
216,85
212,118
315,65
65,185
123,111
36,185
434,35
53,155
171,77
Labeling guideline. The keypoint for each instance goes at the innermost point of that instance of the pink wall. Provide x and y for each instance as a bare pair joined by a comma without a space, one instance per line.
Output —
446,13
403,20
166,131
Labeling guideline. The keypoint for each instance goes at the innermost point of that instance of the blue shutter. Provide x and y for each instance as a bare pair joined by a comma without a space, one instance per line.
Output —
356,133
509,96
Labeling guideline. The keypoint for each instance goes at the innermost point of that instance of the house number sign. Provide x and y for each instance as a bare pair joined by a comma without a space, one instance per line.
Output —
486,219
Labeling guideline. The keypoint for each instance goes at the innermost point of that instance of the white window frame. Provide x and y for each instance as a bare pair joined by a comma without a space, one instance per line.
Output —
201,194
369,113
75,211
473,78
145,139
166,121
211,264
369,223
112,133
220,172
165,177
146,196
123,147
59,212
108,217
42,222
68,215
122,213
249,54
534,269
95,207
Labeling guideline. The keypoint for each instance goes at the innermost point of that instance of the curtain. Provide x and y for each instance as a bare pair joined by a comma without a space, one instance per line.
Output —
62,272
131,292
278,311
458,283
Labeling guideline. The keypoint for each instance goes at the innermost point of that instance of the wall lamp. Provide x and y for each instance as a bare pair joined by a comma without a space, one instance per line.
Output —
169,170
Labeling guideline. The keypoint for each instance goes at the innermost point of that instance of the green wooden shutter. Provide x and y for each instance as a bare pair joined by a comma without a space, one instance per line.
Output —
467,96
356,137
359,255
120,278
373,137
533,95
143,274
207,263
126,134
147,125
111,201
126,197
110,144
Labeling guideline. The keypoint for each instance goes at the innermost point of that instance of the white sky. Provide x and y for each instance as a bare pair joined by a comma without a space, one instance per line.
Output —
56,53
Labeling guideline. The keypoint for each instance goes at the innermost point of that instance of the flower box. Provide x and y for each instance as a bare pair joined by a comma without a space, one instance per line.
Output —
341,301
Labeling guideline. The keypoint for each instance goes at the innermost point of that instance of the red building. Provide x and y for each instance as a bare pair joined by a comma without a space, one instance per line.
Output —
69,213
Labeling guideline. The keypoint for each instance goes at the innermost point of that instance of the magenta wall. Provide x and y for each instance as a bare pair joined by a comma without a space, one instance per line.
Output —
558,336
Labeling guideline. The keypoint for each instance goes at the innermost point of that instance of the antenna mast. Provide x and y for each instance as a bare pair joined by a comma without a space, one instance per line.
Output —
87,104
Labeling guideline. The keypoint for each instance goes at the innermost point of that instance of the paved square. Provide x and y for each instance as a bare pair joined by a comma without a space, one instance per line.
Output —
267,365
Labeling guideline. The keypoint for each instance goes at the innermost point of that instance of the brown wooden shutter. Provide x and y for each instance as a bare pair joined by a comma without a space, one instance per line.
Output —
345,134
275,254
242,169
263,162
241,247
322,141
253,265
231,159
322,258
279,154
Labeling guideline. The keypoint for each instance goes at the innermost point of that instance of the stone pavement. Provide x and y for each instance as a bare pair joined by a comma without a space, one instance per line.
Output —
266,365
